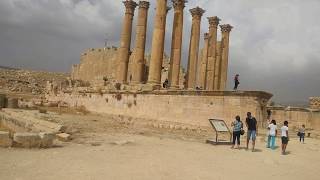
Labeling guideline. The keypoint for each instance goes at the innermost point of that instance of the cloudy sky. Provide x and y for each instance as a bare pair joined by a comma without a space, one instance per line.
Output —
275,44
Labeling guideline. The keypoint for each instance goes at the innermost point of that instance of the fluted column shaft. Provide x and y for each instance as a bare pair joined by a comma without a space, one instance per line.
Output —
138,59
225,29
217,71
176,43
125,41
204,61
194,46
213,26
157,49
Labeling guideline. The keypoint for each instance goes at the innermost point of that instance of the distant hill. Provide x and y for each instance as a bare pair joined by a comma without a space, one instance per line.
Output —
296,103
9,68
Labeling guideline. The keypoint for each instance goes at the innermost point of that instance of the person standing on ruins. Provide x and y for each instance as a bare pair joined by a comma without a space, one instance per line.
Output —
251,124
237,127
165,84
236,82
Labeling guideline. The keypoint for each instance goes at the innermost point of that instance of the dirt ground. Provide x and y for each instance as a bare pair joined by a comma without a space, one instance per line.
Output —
106,148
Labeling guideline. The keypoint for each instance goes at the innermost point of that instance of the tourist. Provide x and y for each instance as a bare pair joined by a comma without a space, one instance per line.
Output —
284,137
301,133
236,82
251,124
165,84
237,127
272,134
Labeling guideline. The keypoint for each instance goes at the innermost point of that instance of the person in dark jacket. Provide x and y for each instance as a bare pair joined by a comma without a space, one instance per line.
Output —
236,82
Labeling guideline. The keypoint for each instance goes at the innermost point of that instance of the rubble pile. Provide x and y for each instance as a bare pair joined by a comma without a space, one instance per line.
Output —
26,81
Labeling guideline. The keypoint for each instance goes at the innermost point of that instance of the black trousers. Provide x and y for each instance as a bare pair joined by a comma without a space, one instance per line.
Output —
236,84
236,136
302,137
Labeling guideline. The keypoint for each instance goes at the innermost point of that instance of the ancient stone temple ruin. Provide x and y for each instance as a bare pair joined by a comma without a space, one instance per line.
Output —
132,66
152,85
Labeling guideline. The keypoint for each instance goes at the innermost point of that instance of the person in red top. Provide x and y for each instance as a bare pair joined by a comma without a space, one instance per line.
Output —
236,82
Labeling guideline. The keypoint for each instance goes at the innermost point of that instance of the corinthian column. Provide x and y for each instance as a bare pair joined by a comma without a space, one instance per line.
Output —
217,71
225,29
156,59
213,26
138,59
194,46
125,41
204,61
176,43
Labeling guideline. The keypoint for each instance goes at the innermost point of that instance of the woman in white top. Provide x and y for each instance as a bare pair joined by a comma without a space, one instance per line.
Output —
272,134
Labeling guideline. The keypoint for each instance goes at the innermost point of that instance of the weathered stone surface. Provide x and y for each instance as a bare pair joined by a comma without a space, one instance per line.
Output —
5,140
186,107
63,137
47,139
27,140
25,81
125,42
158,38
176,43
225,30
314,102
29,120
194,46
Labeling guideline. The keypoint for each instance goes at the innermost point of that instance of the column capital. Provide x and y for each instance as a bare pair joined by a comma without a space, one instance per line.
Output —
144,4
213,21
197,12
226,28
178,4
130,5
206,36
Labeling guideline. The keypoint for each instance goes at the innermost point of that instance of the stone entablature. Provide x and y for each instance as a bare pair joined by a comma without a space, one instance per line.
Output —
314,102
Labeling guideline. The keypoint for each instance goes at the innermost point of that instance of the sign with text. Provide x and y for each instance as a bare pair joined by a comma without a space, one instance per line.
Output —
219,125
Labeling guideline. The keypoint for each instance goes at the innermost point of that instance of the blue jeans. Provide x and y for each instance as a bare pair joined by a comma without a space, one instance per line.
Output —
271,142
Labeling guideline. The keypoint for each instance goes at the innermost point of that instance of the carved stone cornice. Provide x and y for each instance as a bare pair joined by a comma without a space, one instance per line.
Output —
214,21
206,36
144,4
178,4
226,28
130,5
197,12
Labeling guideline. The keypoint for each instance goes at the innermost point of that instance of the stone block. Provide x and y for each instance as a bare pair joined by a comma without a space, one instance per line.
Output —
63,137
46,139
5,140
27,140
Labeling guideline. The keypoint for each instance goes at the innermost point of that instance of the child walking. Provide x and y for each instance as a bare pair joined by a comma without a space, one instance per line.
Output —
284,137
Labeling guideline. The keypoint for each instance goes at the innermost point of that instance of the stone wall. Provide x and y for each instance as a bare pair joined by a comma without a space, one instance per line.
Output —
97,65
314,102
296,117
192,108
